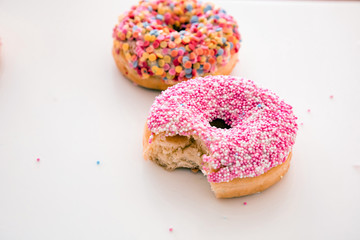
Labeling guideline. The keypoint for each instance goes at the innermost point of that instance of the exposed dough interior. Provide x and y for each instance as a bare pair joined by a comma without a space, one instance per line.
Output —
176,151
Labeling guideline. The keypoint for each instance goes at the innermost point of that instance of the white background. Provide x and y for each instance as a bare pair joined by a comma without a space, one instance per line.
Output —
63,100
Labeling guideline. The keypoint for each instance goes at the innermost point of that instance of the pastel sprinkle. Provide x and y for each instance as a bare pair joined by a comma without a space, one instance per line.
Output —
182,33
98,162
152,57
331,96
308,110
125,46
178,69
171,229
38,159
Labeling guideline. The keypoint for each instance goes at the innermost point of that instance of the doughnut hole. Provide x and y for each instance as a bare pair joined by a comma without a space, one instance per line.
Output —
219,123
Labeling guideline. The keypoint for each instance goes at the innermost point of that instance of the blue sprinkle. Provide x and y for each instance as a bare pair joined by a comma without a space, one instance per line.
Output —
182,104
150,8
135,64
231,45
182,32
188,70
182,48
200,71
223,40
189,7
222,11
194,19
188,75
259,105
207,8
200,25
185,59
145,24
219,29
154,32
98,162
172,5
172,38
134,28
217,17
160,17
220,52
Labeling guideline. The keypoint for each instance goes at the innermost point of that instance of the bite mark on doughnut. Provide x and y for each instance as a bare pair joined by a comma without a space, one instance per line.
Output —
176,151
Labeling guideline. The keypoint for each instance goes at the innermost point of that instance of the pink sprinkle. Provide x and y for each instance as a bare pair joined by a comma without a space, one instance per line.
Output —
308,110
245,203
38,159
331,96
301,124
171,229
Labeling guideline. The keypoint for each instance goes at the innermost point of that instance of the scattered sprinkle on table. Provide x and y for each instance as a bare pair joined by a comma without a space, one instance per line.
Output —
38,159
98,162
171,229
245,203
331,96
308,110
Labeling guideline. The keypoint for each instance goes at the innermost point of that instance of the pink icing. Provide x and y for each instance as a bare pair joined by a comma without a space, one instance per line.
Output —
263,127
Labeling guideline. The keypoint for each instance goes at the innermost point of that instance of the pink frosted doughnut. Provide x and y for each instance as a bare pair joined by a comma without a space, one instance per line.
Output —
248,156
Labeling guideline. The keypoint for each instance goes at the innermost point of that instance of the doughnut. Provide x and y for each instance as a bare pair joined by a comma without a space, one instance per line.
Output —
238,134
159,43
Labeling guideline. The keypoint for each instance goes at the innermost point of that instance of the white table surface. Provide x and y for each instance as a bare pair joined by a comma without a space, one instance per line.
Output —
63,100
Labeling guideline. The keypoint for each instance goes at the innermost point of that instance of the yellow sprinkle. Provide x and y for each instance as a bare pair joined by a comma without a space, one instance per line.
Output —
178,69
159,71
167,59
145,75
169,76
145,55
125,46
186,39
196,65
177,41
154,69
152,57
202,59
128,34
161,10
163,44
147,37
159,55
161,62
128,56
153,38
219,59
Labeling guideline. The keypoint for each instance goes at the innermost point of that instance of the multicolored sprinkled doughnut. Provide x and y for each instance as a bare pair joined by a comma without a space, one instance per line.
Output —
259,136
159,43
